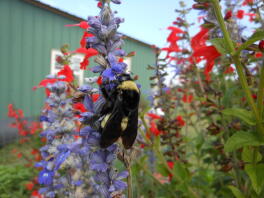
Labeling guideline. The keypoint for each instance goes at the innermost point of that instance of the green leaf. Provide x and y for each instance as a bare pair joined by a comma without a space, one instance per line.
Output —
236,192
256,175
220,45
258,35
162,169
241,139
242,114
248,155
180,171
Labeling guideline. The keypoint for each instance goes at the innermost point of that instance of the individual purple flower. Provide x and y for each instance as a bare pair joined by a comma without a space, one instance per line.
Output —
46,177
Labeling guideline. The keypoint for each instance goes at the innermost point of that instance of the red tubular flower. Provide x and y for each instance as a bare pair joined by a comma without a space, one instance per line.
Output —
99,4
83,39
67,72
154,130
187,98
35,194
208,53
154,116
99,80
258,54
199,40
88,53
228,15
170,164
180,121
79,107
29,186
261,45
240,14
248,2
82,24
229,70
95,97
173,35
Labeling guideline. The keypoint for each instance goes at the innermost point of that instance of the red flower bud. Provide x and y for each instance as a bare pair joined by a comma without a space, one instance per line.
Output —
200,6
228,15
261,45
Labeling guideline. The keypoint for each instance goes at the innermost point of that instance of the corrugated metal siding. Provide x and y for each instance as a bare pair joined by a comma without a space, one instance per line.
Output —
27,35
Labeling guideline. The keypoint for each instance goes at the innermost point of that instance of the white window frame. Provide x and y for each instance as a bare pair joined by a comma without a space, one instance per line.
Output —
128,61
75,60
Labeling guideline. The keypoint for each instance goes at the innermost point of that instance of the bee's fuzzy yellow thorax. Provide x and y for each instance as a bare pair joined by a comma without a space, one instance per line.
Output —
128,85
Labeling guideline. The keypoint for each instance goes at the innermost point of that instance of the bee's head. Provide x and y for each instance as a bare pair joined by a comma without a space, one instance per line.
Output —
123,77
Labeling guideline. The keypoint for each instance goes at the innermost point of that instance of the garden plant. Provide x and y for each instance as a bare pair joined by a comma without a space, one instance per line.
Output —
201,133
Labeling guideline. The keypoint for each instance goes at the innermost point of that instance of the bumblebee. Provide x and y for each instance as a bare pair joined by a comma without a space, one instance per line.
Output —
120,111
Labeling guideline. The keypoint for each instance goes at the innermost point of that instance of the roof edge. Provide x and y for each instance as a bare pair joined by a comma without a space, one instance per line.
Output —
73,17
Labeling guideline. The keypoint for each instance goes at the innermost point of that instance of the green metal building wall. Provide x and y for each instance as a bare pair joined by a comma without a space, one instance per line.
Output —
27,35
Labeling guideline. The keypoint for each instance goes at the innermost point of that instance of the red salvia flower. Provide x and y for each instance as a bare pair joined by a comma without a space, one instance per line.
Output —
19,155
180,121
99,4
79,107
240,14
154,116
35,194
229,70
173,35
95,97
82,24
248,2
208,53
228,15
199,40
29,186
154,130
84,37
67,72
258,54
187,98
88,53
261,45
99,80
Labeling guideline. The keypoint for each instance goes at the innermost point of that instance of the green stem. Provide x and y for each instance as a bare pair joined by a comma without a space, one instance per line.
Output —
260,97
239,68
129,182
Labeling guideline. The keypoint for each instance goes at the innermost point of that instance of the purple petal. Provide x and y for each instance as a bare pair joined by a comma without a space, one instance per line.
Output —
117,68
97,69
110,157
120,52
85,88
88,103
99,167
86,131
60,159
46,177
112,59
116,1
120,185
122,175
108,73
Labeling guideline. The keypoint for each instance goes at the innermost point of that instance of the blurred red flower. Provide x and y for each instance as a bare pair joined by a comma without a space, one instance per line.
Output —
240,14
67,72
180,121
208,53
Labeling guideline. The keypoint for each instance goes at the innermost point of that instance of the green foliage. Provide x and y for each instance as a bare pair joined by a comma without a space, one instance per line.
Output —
220,45
242,139
13,180
236,192
258,35
256,174
242,114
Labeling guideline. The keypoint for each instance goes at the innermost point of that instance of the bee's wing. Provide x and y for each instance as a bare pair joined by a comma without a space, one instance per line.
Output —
130,133
112,129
